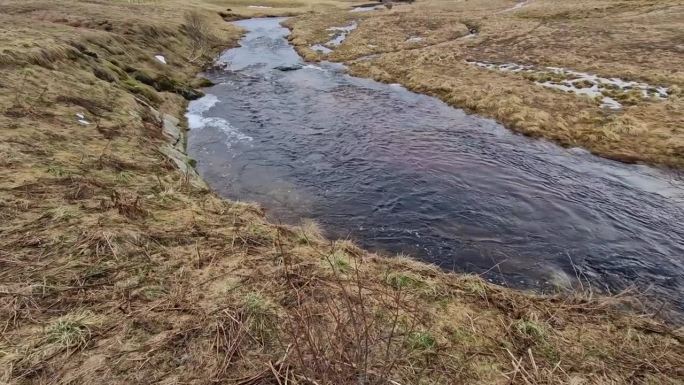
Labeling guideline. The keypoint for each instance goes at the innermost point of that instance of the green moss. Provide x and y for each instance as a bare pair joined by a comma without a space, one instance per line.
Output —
114,67
138,88
338,261
531,329
143,77
421,341
404,281
261,317
165,83
201,82
58,171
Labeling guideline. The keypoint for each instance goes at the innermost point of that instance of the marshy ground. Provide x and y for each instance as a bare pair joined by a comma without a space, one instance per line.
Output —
428,46
117,265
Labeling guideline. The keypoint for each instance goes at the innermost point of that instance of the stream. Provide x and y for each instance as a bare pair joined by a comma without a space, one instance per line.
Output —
400,172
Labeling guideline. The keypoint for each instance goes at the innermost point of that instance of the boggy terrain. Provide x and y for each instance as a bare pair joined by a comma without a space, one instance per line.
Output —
117,265
454,50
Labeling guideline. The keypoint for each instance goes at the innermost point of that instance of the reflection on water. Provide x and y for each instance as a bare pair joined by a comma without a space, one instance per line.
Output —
403,172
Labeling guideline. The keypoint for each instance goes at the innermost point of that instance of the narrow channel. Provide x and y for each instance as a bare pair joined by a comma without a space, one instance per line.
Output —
401,172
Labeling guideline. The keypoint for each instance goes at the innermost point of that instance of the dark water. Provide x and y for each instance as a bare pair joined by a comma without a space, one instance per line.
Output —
402,172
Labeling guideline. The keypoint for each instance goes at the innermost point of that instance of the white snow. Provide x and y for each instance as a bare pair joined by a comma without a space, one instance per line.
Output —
340,34
366,9
258,6
321,49
160,58
82,119
582,83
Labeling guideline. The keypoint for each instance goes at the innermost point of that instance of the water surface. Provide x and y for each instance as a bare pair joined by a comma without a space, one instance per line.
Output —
403,172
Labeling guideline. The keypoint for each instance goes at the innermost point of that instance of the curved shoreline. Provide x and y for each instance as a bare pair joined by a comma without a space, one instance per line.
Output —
644,131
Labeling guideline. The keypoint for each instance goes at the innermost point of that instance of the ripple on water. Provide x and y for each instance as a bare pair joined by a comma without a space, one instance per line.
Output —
404,172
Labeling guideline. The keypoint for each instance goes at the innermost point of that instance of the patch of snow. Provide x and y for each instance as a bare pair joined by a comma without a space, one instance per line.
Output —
259,6
340,34
368,57
160,58
582,83
82,119
518,5
366,9
347,28
647,90
414,39
592,92
321,49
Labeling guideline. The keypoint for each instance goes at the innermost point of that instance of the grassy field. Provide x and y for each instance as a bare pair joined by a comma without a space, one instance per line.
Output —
633,40
117,265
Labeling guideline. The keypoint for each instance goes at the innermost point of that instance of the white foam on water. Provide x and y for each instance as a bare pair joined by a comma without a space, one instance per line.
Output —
313,67
160,59
196,120
202,104
231,132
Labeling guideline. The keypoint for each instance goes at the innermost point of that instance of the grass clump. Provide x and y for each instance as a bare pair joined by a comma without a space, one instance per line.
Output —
338,261
62,213
530,329
71,331
421,341
409,281
262,319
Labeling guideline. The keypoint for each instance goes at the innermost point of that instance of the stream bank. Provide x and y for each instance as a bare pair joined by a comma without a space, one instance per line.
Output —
401,172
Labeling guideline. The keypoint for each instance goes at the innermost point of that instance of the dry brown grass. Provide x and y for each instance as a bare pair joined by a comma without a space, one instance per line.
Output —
115,268
633,40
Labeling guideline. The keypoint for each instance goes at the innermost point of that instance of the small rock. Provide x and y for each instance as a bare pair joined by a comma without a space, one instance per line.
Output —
292,67
189,93
143,78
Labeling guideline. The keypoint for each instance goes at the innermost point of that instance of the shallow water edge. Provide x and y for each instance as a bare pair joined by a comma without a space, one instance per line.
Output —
470,197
